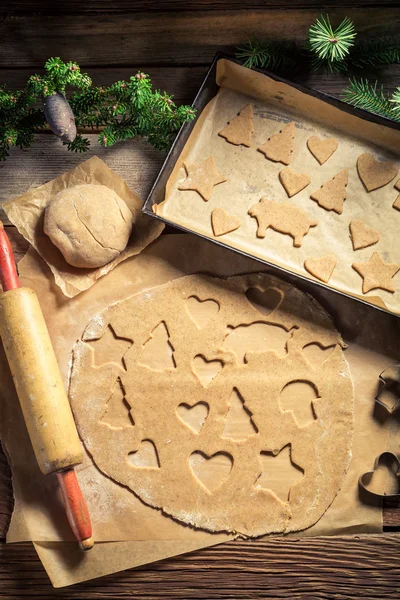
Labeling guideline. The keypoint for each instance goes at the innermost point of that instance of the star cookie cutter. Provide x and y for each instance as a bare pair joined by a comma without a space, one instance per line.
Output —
392,464
389,382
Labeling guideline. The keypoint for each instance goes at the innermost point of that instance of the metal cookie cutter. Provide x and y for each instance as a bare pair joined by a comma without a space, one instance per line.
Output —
389,382
392,465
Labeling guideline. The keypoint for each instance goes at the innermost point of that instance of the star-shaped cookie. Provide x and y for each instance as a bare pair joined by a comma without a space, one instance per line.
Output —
202,178
376,274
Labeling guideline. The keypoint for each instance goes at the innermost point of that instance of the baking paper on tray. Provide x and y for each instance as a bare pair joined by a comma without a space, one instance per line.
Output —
250,176
27,213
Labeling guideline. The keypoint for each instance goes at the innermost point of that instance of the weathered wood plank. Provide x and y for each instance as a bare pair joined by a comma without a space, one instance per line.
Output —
135,160
161,38
184,82
132,6
304,568
181,82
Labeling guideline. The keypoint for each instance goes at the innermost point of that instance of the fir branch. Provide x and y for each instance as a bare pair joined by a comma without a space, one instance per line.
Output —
124,110
328,44
363,94
277,55
375,52
395,99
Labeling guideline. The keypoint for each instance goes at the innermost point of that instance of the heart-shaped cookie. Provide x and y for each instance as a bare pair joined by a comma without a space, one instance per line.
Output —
202,311
384,480
212,471
193,416
206,370
322,149
223,223
373,173
322,268
293,182
362,235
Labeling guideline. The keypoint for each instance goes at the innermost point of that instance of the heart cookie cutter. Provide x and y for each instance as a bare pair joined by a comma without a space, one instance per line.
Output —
392,463
389,382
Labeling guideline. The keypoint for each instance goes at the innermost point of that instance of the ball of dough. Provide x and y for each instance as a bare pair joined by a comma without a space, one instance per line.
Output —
90,224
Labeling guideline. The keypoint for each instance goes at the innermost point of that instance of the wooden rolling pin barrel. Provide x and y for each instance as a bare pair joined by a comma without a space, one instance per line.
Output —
41,391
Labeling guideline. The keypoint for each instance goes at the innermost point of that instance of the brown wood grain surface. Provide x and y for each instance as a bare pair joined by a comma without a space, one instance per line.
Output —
296,568
133,6
170,38
174,41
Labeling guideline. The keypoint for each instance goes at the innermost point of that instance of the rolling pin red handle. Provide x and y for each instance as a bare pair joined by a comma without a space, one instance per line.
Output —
76,509
8,271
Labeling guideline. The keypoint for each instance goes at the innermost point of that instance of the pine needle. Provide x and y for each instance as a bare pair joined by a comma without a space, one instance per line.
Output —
329,45
277,55
363,94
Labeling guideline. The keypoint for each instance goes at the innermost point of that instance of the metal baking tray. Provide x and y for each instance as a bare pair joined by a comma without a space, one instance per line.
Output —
207,91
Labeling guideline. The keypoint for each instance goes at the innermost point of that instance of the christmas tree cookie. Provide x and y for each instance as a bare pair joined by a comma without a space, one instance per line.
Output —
279,147
332,194
239,131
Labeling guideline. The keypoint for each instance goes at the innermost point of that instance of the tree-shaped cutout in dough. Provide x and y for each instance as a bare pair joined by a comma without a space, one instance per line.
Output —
239,424
110,348
256,337
146,457
158,352
279,473
118,411
298,397
211,471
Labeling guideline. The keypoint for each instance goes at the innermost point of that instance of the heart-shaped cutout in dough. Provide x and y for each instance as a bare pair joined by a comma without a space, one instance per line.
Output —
193,416
202,311
146,457
264,301
362,235
211,471
206,370
223,223
322,149
373,173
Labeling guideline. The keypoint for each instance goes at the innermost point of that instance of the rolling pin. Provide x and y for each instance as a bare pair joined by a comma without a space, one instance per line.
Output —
41,391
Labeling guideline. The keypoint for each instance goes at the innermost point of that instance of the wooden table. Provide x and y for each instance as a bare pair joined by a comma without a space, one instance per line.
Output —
174,41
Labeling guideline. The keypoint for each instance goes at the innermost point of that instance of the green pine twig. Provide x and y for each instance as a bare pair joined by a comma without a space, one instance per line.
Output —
277,55
375,52
329,47
363,94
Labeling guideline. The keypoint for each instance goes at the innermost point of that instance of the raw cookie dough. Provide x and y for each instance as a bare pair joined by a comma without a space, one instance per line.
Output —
239,131
374,173
90,225
322,149
332,193
220,352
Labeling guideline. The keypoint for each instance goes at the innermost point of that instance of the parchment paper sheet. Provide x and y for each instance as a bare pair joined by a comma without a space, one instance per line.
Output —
144,534
251,176
27,213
